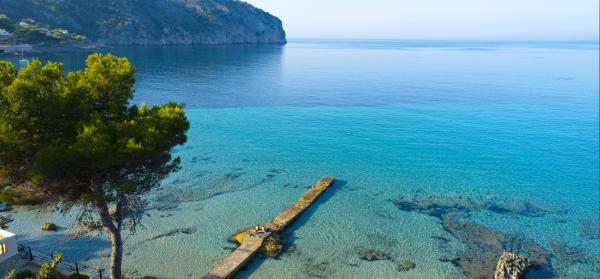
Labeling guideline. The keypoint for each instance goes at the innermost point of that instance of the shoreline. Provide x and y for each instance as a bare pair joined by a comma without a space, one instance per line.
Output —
8,50
32,49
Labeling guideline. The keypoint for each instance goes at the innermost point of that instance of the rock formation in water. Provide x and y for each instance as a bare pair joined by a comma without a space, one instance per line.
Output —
511,266
482,245
137,22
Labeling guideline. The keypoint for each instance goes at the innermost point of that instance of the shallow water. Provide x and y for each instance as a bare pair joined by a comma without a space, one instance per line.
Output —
504,135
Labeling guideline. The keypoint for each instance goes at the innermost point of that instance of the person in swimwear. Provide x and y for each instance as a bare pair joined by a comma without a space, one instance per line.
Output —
259,229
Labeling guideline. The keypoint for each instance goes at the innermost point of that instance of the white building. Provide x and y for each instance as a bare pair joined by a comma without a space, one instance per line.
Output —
8,251
4,33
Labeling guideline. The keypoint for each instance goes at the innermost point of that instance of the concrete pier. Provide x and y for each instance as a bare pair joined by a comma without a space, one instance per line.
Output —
251,244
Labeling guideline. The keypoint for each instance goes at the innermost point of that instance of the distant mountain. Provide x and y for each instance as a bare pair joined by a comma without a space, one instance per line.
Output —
138,22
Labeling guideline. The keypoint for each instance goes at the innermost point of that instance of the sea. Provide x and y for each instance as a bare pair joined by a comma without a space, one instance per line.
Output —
446,154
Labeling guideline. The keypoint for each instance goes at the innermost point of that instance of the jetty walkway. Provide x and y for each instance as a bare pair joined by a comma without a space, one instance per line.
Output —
252,243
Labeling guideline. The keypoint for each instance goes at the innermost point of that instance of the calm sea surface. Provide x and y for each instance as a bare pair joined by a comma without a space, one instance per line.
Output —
444,152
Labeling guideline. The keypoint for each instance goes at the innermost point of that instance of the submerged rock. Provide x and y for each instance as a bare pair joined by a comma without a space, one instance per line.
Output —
483,245
368,254
511,266
272,246
569,255
438,206
171,199
174,232
371,254
318,269
589,229
405,266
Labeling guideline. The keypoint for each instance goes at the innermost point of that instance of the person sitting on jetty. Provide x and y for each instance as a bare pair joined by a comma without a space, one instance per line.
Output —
259,229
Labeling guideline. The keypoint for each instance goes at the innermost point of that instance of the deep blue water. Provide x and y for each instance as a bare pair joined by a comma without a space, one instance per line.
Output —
510,125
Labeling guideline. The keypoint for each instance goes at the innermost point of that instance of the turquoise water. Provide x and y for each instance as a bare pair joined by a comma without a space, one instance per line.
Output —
492,123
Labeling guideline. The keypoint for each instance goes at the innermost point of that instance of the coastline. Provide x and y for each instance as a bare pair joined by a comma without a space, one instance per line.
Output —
32,49
8,50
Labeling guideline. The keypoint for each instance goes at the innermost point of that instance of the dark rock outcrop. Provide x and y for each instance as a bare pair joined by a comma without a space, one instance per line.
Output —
152,22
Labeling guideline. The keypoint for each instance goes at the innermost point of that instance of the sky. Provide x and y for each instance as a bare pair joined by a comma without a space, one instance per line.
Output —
437,19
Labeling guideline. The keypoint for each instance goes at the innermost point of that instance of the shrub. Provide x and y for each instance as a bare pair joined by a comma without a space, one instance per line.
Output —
14,196
25,274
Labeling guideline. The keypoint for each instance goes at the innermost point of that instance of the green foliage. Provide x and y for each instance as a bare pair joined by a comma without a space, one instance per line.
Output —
27,111
7,74
37,34
19,197
78,141
68,133
6,23
25,274
48,270
9,275
30,33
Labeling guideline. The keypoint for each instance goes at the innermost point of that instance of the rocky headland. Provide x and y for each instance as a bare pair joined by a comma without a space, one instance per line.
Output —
125,22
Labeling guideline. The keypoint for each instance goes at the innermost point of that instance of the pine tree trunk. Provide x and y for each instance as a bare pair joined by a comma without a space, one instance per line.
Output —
114,233
116,257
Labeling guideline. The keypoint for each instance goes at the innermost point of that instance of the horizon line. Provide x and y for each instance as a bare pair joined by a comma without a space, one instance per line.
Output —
596,40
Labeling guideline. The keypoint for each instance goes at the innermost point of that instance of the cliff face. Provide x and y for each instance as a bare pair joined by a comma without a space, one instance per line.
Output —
152,22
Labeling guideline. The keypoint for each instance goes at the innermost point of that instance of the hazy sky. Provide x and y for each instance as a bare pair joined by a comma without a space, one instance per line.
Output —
437,19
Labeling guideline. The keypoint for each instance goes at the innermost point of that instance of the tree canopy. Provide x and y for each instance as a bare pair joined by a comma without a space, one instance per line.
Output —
79,139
